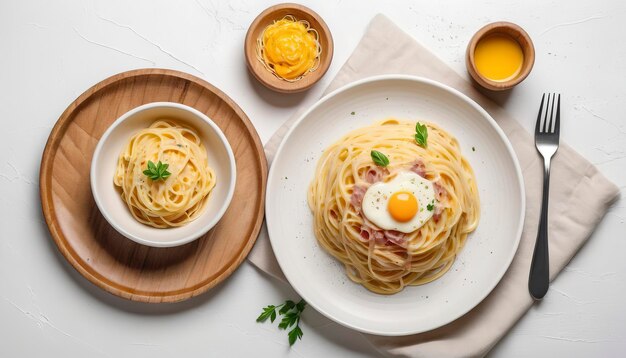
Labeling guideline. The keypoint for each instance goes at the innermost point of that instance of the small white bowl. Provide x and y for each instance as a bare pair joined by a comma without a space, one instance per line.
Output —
104,163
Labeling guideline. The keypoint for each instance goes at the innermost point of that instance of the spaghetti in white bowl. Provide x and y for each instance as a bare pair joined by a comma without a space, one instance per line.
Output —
178,194
479,263
163,174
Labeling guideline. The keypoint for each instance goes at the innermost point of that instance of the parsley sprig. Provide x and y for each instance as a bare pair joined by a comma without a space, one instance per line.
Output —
421,134
157,171
291,313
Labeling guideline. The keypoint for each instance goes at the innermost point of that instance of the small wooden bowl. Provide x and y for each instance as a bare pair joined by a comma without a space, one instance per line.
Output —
266,18
515,32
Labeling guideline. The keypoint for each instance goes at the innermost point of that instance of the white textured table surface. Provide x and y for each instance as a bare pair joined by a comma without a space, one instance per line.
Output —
50,53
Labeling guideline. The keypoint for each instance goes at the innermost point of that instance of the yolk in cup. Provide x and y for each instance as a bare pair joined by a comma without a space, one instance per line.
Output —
402,206
498,57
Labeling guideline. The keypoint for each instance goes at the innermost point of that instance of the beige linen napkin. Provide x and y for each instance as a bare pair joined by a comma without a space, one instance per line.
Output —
386,49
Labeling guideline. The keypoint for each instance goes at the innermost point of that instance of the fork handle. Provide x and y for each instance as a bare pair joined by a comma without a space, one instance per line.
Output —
539,279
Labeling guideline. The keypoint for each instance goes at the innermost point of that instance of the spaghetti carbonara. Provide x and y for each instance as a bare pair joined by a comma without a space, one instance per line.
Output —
170,201
394,212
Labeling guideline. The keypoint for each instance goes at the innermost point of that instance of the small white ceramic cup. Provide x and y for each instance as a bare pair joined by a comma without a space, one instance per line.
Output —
104,163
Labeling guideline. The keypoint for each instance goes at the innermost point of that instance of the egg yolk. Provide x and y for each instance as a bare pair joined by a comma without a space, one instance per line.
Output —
498,57
290,48
402,206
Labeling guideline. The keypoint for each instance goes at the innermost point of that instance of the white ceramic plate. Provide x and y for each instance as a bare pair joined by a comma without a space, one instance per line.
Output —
321,280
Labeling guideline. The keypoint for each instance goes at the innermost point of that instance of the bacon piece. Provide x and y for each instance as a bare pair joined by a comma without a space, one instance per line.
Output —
440,194
375,174
368,233
356,199
440,191
395,237
365,234
379,237
419,168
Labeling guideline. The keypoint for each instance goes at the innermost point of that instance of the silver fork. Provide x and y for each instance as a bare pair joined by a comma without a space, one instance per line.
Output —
547,142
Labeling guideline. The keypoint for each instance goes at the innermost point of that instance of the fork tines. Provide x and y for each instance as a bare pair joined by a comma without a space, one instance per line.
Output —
547,119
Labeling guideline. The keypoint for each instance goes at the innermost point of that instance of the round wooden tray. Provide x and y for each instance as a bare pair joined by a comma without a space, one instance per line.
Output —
93,247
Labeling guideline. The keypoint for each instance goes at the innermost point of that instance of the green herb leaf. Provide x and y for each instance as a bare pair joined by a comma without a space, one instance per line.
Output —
301,305
294,334
289,304
157,171
430,207
267,312
283,323
291,313
379,158
421,134
289,319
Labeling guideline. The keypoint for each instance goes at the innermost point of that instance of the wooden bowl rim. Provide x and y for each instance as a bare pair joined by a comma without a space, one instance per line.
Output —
49,212
267,78
506,28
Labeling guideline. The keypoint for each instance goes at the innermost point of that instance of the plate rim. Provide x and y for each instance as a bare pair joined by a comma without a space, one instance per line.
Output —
49,211
456,93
